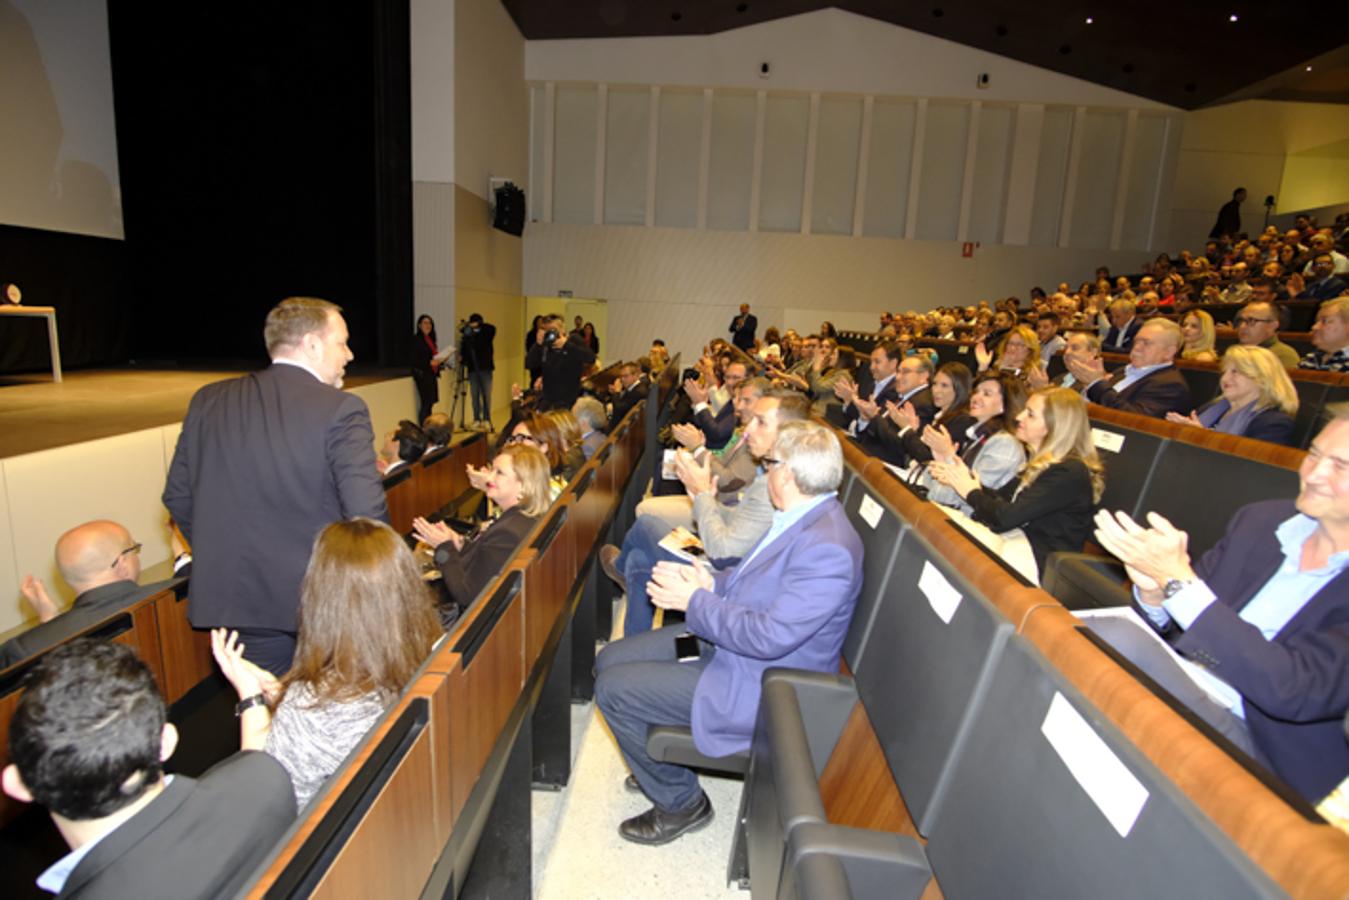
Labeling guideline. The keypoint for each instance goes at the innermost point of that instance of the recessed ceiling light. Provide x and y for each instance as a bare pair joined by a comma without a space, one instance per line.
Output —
1232,18
1088,20
1309,68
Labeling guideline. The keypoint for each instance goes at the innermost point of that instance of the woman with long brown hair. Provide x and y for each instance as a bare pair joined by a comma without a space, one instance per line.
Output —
367,621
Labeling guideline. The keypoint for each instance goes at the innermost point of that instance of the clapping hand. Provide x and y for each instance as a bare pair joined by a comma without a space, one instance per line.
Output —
1191,419
436,533
904,416
690,436
697,477
1085,370
672,585
248,679
983,355
1037,377
938,439
845,390
866,409
1152,556
477,477
695,391
955,475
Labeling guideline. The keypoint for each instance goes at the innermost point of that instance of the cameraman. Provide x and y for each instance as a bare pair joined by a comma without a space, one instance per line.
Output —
475,351
561,361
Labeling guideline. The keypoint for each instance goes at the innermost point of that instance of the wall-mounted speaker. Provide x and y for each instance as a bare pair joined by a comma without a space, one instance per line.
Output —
509,206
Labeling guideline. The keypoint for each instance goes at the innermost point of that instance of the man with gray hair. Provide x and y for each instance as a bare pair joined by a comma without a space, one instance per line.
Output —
263,463
1330,336
589,412
787,603
1149,384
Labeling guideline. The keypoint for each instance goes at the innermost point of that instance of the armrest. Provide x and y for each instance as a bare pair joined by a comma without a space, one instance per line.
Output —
674,744
874,863
824,703
1084,581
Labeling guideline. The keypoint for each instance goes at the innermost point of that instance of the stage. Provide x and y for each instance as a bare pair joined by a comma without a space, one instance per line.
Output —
38,414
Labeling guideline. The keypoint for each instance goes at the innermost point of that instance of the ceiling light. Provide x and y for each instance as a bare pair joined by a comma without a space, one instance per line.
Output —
1088,20
1309,68
1232,18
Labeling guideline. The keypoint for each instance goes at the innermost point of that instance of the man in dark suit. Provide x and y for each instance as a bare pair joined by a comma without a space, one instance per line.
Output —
742,329
787,603
882,389
263,463
101,561
1265,614
716,426
1124,327
629,390
876,434
1149,384
561,360
1228,222
88,742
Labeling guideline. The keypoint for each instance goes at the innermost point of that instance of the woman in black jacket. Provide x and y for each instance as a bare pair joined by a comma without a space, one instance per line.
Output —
1053,499
518,487
425,366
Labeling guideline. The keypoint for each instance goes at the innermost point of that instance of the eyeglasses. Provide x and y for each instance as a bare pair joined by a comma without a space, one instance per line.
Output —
1239,321
521,439
770,463
134,548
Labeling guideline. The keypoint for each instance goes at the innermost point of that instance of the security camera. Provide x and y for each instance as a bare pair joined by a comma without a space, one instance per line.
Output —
982,81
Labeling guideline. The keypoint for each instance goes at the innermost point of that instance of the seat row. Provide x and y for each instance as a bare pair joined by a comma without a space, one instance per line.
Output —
429,484
979,744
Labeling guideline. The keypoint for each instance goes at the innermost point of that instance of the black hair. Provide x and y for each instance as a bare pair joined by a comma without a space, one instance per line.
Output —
86,734
475,319
418,329
412,441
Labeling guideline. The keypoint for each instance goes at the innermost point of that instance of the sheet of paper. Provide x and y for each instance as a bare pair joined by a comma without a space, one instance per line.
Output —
667,469
683,544
870,510
941,595
1107,440
1107,781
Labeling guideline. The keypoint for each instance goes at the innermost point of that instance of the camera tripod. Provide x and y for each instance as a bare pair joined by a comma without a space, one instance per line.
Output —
460,390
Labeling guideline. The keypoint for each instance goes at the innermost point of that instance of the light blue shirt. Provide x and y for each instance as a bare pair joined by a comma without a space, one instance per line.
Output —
1132,374
1276,603
53,880
784,519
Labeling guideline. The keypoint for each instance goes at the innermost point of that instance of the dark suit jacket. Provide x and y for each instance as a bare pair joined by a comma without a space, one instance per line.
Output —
1116,343
466,572
888,393
624,402
561,366
717,429
199,838
909,447
1155,394
881,436
1054,511
263,463
1296,686
743,337
1271,424
89,608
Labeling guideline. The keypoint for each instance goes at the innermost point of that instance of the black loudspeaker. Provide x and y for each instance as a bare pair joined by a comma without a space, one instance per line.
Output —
510,209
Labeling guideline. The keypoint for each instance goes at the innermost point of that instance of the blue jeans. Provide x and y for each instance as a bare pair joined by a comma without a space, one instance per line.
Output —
638,684
641,552
480,388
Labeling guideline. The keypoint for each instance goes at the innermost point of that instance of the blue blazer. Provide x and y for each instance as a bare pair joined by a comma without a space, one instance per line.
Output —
1296,686
788,606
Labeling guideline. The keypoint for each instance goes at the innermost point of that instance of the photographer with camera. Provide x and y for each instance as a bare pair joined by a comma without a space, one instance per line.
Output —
475,355
561,360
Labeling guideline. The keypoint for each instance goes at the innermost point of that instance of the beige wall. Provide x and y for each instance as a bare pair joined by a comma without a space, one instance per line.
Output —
119,478
491,101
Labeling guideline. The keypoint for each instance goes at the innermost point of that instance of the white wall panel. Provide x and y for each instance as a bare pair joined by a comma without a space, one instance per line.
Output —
992,158
837,140
681,133
538,168
732,162
1047,207
1097,176
1145,171
625,156
943,171
574,155
887,189
786,122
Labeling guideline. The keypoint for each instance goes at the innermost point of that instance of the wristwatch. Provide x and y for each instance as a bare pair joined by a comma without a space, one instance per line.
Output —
1174,587
248,703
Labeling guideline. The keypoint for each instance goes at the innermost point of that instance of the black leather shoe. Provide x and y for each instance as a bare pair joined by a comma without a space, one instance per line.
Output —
608,557
656,826
631,786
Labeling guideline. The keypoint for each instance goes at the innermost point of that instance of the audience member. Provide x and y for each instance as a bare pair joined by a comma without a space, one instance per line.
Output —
538,432
1053,500
560,360
716,424
989,447
263,462
1047,332
590,416
1018,354
788,603
629,390
101,561
1257,399
1324,283
1262,614
439,431
885,361
567,430
727,532
1258,326
405,444
88,741
1200,337
367,622
1124,325
518,489
1149,384
1330,337
898,434
743,327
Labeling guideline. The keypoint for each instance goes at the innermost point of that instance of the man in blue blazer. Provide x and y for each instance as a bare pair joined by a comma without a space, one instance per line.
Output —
788,603
1265,613
263,463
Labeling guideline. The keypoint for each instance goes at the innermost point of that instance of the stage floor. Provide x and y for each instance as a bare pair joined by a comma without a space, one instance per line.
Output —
36,414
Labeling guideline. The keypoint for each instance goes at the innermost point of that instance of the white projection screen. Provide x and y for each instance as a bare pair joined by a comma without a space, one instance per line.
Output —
58,147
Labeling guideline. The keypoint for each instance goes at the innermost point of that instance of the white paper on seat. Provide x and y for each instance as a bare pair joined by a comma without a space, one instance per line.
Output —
870,511
1107,781
941,595
1107,440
